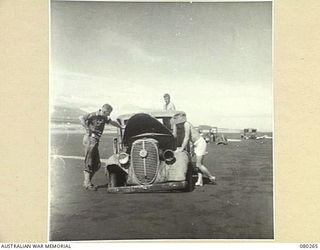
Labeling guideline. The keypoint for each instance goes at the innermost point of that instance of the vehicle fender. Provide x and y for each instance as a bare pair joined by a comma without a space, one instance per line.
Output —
132,179
178,170
175,171
112,164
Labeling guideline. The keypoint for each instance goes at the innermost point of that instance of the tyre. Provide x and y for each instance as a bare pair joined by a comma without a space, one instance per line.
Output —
113,180
189,179
116,176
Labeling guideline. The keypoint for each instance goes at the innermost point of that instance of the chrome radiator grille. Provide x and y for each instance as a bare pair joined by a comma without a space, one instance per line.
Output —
145,160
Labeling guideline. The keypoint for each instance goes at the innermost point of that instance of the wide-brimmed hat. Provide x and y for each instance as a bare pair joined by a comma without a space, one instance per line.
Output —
179,117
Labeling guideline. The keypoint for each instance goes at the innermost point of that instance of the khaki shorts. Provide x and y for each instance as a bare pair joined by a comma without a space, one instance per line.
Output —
200,147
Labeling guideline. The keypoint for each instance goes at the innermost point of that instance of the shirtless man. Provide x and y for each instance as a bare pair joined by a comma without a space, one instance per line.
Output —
200,146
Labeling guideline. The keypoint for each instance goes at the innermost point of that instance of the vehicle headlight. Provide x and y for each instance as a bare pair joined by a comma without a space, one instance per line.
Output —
123,158
168,156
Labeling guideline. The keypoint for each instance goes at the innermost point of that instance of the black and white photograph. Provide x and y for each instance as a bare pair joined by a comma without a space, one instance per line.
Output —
161,121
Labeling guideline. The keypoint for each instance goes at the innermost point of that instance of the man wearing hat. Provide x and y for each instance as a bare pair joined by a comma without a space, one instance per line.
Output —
185,133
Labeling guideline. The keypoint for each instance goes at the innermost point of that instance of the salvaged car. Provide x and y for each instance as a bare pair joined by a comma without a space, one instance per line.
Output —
208,133
144,158
221,140
249,133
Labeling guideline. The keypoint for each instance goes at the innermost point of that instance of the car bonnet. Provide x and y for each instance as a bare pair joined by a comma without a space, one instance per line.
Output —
144,124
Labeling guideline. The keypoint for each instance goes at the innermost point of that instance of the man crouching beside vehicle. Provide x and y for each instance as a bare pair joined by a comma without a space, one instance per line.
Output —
94,125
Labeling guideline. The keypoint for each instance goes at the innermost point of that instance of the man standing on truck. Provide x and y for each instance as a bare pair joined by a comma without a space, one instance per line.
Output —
184,133
94,125
168,104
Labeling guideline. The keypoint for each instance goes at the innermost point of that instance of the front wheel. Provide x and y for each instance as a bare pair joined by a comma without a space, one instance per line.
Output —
113,180
117,177
189,179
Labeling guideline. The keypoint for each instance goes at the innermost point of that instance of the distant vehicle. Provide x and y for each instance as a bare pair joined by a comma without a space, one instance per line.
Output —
144,159
208,133
221,140
249,133
264,137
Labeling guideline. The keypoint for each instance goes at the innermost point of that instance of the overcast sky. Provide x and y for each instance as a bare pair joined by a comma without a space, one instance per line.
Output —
214,59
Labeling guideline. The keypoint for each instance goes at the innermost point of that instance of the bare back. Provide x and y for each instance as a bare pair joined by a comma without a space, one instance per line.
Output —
194,134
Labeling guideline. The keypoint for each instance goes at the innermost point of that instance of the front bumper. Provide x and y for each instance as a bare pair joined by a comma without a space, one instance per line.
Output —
157,187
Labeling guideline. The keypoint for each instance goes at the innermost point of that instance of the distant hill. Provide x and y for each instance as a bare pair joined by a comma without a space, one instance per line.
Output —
66,114
204,127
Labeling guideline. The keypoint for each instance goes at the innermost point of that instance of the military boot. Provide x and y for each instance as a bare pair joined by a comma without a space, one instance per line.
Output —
87,181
